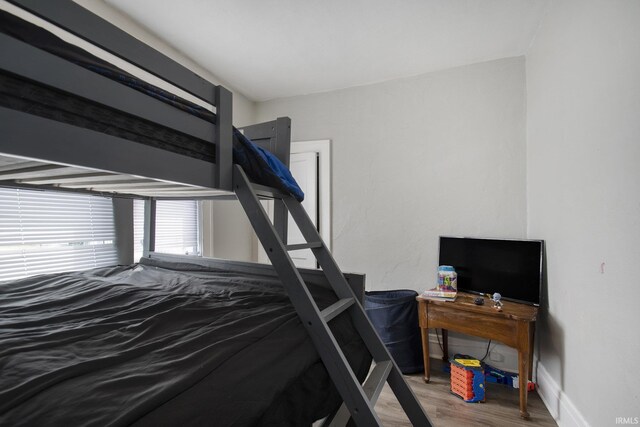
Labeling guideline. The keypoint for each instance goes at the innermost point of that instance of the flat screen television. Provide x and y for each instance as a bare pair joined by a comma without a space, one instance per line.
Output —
513,268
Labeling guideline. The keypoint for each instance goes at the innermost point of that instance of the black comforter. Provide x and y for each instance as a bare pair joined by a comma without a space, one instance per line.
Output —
162,344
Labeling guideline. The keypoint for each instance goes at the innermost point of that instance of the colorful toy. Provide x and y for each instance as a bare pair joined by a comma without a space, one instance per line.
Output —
493,375
447,279
467,379
497,303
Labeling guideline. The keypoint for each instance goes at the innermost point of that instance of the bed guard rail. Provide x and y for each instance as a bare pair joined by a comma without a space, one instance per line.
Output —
81,22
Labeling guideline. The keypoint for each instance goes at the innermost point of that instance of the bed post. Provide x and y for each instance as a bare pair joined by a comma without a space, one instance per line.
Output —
224,138
283,151
283,139
149,243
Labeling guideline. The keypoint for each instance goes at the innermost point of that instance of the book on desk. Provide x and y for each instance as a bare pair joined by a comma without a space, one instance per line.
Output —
438,294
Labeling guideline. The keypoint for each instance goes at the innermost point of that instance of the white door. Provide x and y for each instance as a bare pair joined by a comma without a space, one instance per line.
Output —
304,167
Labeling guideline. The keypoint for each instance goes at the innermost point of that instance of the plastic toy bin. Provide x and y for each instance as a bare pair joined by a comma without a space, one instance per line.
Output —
394,314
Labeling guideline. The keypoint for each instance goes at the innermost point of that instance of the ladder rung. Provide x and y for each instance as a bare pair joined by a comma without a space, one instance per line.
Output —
310,245
263,191
336,308
376,380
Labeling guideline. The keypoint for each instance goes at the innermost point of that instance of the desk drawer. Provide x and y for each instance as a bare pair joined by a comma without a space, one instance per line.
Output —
476,324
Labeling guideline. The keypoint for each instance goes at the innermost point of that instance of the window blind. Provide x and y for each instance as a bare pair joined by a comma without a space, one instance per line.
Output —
177,227
49,232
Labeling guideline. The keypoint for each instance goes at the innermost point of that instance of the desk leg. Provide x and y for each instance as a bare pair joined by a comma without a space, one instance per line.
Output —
425,353
445,346
532,332
524,340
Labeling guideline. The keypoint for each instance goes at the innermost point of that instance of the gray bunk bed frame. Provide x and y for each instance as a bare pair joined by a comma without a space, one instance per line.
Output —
36,152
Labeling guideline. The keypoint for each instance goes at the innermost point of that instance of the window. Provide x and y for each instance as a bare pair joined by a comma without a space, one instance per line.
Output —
50,232
177,227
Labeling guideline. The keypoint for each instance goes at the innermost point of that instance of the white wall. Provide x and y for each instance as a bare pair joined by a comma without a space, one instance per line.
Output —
437,154
583,177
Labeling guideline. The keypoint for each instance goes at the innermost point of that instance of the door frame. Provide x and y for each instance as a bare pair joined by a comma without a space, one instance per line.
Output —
322,147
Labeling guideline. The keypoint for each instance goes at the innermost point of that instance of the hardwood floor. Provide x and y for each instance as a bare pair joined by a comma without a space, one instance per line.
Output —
447,410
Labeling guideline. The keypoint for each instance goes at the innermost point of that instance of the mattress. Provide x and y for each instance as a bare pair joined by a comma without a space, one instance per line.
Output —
161,343
31,97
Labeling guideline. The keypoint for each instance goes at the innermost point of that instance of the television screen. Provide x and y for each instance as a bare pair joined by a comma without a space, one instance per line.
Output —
513,268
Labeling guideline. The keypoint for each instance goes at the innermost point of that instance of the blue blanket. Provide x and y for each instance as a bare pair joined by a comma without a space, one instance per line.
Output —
264,167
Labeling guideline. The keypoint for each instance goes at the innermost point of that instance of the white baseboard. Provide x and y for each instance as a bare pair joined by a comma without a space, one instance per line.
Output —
557,402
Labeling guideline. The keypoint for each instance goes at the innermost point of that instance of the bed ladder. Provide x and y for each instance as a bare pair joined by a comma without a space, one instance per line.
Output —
359,400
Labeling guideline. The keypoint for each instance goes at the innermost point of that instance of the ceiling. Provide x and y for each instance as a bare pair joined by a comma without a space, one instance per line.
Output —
269,49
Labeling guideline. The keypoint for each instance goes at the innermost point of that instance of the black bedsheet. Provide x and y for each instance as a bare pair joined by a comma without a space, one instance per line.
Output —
162,344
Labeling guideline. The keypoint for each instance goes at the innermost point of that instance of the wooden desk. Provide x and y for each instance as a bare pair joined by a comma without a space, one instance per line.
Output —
513,326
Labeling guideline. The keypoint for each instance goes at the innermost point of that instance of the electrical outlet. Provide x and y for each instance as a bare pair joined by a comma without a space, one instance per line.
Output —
494,356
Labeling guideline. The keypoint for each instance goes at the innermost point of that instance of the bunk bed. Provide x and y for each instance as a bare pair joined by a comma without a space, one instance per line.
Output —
108,107
170,340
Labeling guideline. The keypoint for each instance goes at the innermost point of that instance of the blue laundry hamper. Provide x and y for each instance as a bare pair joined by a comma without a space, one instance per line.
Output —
394,314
